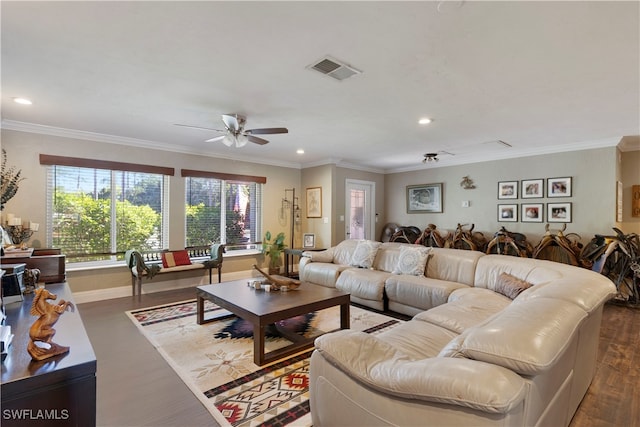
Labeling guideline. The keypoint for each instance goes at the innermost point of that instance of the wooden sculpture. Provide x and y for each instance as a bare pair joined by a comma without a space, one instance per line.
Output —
42,329
278,281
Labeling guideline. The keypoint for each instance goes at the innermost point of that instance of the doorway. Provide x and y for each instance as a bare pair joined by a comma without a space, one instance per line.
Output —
359,207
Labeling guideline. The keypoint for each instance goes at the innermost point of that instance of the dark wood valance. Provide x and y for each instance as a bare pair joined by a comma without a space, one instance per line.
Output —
46,159
223,176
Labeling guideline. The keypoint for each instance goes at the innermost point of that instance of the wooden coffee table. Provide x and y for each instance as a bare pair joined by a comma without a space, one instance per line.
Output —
263,308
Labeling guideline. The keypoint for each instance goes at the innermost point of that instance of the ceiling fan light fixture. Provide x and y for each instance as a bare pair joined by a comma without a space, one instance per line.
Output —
430,157
241,141
228,140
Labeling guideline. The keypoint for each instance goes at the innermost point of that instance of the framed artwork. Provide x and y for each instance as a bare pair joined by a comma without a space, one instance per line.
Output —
559,212
532,188
559,187
314,202
309,241
532,212
424,198
508,190
507,213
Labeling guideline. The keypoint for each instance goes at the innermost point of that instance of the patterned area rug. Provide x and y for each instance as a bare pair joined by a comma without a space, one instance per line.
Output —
215,360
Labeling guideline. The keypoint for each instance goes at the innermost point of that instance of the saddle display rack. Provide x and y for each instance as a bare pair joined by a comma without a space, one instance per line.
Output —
618,258
505,242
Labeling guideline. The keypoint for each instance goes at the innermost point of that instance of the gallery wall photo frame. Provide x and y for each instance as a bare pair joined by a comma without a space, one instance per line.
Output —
308,241
532,188
508,213
507,189
424,198
559,187
532,212
559,212
314,202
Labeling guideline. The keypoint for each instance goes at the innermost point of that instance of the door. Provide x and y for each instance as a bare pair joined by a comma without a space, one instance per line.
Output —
359,206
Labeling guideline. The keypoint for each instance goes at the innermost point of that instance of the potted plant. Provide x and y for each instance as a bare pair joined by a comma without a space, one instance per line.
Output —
273,249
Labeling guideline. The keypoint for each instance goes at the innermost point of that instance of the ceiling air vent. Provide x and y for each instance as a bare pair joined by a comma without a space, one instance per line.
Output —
333,68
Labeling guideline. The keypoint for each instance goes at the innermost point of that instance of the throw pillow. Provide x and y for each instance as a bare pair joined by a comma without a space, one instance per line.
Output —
365,253
412,260
175,258
510,286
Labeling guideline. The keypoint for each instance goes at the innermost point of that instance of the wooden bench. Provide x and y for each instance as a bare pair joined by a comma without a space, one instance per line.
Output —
150,263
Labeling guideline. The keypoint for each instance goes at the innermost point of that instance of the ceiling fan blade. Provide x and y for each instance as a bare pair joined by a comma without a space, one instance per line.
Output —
266,131
257,140
231,122
217,138
198,127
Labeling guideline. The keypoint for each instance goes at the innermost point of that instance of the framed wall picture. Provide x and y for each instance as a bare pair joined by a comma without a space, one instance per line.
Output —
424,198
559,187
309,241
532,188
559,212
507,213
508,190
532,212
314,202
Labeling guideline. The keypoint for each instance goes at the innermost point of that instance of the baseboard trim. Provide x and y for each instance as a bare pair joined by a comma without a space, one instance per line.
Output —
125,291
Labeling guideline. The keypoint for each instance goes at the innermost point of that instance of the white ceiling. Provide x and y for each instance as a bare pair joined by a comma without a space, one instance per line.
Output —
542,76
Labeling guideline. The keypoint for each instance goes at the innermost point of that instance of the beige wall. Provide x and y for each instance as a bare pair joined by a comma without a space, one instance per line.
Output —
23,151
593,172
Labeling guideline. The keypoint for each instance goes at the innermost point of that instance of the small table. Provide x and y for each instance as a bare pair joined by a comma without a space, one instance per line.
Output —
263,308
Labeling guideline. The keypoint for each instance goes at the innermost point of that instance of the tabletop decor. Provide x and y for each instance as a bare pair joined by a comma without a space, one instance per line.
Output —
9,181
40,346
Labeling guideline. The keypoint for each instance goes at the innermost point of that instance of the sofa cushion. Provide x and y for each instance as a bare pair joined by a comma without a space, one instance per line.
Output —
510,286
418,340
175,258
420,292
364,254
458,315
322,273
412,260
363,283
526,338
453,265
343,252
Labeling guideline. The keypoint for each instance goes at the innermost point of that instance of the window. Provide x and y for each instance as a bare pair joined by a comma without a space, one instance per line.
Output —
222,208
98,213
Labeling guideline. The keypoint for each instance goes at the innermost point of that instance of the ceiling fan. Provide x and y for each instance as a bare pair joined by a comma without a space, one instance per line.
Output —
236,134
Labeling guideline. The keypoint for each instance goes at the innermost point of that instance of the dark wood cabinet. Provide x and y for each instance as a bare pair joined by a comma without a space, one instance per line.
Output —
50,262
60,391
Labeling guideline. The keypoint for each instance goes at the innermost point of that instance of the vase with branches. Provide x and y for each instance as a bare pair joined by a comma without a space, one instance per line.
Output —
10,179
273,250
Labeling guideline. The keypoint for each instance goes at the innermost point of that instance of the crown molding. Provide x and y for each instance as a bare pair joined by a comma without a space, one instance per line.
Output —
511,153
131,142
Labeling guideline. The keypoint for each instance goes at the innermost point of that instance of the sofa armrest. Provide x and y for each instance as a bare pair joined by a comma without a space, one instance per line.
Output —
463,382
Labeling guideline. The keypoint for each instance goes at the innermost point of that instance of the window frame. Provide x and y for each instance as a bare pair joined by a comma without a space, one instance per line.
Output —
113,167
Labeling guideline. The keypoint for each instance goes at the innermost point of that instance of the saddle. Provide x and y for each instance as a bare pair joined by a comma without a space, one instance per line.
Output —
466,239
559,247
430,237
505,242
408,234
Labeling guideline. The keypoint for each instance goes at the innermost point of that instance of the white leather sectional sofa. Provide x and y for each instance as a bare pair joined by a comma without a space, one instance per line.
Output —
470,356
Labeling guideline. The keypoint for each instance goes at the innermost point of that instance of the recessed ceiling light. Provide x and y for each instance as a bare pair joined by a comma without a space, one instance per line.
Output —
425,121
300,151
23,101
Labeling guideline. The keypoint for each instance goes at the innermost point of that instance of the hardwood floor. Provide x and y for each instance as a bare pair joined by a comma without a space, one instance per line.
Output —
136,387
